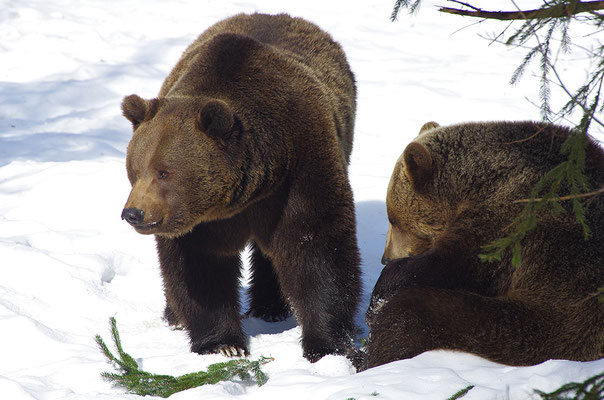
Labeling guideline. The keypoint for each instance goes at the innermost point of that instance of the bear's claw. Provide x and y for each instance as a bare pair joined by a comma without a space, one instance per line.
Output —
231,351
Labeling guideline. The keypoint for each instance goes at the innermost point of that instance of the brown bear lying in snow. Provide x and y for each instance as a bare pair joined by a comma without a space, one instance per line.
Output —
452,191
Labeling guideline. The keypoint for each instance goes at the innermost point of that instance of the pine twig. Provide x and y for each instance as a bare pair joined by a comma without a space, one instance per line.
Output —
557,11
145,383
411,5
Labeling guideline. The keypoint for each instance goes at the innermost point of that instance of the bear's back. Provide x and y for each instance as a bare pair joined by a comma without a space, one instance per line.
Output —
296,40
301,39
506,159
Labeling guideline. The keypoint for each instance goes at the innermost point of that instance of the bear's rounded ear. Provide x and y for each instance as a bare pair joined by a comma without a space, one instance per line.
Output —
418,164
137,109
216,119
134,109
428,126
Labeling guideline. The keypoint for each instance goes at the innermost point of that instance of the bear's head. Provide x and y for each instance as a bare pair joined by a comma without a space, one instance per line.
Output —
415,214
184,162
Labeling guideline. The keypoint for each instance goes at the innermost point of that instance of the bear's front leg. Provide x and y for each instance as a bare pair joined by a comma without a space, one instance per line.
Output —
201,291
450,264
320,277
324,296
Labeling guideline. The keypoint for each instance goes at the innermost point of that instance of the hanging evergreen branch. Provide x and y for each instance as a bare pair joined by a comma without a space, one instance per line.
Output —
411,5
145,383
542,28
587,98
569,171
590,389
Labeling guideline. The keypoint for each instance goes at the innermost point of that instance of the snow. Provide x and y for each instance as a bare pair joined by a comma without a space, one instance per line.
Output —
68,262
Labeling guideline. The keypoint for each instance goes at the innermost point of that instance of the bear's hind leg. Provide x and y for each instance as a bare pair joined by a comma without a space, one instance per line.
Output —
266,299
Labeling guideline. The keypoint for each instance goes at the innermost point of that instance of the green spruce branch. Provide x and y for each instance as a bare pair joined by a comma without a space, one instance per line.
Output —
587,98
143,383
411,5
569,172
590,389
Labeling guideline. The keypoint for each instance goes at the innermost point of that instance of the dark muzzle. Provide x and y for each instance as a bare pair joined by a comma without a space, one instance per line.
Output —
133,216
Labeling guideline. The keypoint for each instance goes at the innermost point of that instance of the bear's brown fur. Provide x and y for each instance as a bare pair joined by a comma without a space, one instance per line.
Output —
453,191
248,141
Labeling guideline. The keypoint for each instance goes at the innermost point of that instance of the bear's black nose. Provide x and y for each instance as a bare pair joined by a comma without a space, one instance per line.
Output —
133,216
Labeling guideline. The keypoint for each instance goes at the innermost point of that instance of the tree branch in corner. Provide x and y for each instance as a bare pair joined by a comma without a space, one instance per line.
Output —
558,11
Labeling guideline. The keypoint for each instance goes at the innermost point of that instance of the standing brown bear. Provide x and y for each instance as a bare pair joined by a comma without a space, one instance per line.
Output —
453,191
248,141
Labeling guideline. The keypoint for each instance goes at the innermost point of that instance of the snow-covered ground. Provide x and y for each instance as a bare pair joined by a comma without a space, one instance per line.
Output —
67,261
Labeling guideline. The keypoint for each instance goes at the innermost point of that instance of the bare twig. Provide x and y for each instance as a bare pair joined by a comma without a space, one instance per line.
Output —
466,4
558,11
569,197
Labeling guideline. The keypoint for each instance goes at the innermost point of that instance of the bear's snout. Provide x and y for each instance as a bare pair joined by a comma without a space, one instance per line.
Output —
133,216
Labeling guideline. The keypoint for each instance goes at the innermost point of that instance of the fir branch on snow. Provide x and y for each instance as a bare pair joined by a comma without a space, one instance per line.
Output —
590,389
145,383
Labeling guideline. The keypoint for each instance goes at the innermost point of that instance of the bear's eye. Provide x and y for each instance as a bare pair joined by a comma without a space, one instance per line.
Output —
162,174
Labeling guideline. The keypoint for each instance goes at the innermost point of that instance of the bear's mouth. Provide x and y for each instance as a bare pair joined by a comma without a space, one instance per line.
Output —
143,228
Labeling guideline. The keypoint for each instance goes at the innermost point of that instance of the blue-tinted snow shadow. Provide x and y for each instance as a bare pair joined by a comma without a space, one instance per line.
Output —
57,147
372,225
371,233
77,116
60,120
256,326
